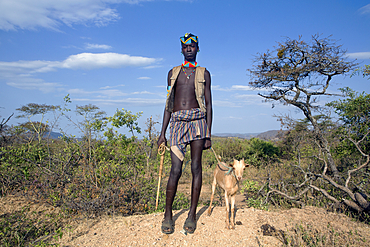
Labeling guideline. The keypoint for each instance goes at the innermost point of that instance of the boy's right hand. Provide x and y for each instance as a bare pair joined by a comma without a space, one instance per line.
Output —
162,139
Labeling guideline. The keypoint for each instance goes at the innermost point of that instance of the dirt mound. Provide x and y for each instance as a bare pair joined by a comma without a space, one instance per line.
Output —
310,226
254,228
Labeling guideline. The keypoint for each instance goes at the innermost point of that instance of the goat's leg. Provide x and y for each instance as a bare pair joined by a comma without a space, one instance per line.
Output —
227,210
213,193
232,199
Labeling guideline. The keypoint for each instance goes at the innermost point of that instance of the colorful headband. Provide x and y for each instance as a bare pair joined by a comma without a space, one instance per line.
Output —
188,38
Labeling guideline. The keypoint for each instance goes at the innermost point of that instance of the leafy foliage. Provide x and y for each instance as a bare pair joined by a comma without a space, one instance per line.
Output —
260,152
19,229
255,151
107,172
354,114
364,71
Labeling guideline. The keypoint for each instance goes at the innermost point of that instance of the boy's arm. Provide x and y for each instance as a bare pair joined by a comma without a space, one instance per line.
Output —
208,101
166,118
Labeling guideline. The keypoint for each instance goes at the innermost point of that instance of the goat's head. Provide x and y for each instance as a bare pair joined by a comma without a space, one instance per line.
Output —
238,167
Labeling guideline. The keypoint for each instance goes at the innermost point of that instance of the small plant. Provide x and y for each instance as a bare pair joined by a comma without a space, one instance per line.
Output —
257,203
249,186
304,235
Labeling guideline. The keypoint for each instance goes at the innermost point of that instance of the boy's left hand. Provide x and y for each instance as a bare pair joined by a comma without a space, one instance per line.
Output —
207,144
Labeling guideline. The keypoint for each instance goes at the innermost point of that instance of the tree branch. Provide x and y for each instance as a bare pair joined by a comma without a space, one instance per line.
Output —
324,192
363,154
336,185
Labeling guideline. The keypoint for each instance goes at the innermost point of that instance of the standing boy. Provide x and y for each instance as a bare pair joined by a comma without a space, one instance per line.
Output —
189,112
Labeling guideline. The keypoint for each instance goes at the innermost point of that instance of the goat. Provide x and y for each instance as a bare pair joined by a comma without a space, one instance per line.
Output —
228,177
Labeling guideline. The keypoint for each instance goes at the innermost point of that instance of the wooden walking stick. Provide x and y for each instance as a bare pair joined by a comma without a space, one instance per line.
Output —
161,151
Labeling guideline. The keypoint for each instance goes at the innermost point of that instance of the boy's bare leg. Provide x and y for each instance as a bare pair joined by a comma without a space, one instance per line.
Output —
175,174
196,170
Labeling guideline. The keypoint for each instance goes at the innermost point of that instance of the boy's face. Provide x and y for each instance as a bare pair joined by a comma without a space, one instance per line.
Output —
189,51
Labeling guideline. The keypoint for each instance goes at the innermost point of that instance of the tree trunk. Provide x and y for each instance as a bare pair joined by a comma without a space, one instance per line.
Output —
323,143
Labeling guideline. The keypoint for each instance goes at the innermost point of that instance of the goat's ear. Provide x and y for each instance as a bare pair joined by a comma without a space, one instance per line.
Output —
245,164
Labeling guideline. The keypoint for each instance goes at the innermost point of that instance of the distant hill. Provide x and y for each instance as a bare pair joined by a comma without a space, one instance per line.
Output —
239,135
271,135
53,135
267,135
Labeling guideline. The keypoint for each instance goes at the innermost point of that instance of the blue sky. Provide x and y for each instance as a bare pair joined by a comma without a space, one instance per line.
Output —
117,53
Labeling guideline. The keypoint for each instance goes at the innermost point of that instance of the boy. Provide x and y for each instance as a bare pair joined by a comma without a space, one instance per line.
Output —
189,112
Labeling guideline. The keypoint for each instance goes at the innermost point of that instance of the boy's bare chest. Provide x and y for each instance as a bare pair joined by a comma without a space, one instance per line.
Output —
185,88
185,80
185,98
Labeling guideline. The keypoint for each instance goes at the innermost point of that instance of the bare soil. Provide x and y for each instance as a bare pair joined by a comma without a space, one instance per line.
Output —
254,227
145,230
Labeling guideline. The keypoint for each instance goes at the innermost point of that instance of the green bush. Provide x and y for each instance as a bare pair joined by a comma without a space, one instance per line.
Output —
19,229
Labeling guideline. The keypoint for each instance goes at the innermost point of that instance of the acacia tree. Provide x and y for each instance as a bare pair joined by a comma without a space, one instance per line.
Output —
38,127
297,73
3,130
148,142
364,71
92,123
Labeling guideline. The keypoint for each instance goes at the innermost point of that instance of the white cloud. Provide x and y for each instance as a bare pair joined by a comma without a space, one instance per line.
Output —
23,66
79,91
233,88
359,55
21,74
111,93
80,61
250,99
224,103
365,9
248,96
131,101
104,60
153,66
143,92
144,78
241,87
105,92
32,84
217,88
50,14
234,118
89,46
117,97
108,87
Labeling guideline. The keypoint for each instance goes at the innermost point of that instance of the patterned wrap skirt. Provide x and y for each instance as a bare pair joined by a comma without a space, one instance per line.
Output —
187,126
